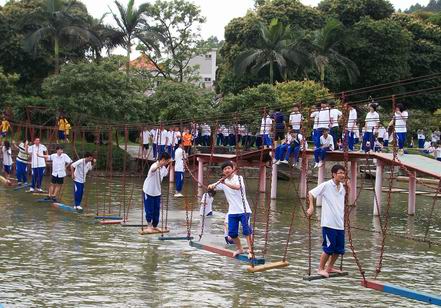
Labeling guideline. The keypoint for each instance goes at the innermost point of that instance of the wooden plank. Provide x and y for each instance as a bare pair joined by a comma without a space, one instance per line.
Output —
66,208
175,238
331,275
109,217
403,292
147,232
134,225
267,266
110,222
227,253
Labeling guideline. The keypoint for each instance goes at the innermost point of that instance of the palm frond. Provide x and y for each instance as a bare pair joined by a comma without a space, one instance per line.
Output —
32,41
349,65
245,60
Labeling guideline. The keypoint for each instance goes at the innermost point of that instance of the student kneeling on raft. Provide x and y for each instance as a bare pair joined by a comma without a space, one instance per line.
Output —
238,208
79,170
332,218
59,161
152,191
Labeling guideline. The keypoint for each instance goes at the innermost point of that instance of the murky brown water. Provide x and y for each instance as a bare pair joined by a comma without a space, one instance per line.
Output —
50,258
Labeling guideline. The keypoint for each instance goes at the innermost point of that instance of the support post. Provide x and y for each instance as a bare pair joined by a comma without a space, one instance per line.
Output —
412,193
274,181
200,176
172,174
378,188
321,179
303,176
262,178
353,182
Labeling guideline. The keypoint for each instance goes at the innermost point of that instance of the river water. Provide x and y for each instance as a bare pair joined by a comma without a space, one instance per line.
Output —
51,258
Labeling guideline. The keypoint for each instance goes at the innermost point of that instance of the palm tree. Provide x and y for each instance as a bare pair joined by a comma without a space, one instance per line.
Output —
128,20
61,26
324,52
277,45
110,37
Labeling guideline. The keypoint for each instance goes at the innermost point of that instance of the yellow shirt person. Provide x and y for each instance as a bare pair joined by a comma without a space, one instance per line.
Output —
4,127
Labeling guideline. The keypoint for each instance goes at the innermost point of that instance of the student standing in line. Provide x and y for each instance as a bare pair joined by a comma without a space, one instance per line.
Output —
60,161
324,120
145,138
314,116
5,126
335,118
421,138
265,130
332,218
180,157
21,162
187,139
296,118
400,119
351,126
79,170
206,203
38,164
7,159
371,125
62,128
279,125
438,152
152,191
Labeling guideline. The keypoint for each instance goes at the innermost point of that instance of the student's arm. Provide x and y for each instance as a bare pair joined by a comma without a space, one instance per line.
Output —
72,171
310,209
43,156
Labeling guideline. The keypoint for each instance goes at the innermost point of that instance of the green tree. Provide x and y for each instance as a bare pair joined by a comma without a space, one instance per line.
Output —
128,20
89,93
61,27
306,93
179,100
350,12
7,87
274,48
325,53
171,32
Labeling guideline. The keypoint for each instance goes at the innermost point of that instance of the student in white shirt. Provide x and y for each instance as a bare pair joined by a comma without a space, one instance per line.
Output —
421,138
438,152
207,203
60,161
79,170
371,124
238,208
314,117
324,120
225,134
38,164
352,126
296,118
265,130
335,118
206,134
332,218
152,191
145,137
180,157
326,144
400,119
7,158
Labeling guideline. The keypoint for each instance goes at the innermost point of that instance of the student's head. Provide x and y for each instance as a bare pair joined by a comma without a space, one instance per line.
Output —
317,106
37,141
323,104
7,144
180,143
186,130
399,107
176,128
332,104
88,156
296,108
164,157
338,172
325,132
227,168
349,106
59,149
211,192
372,107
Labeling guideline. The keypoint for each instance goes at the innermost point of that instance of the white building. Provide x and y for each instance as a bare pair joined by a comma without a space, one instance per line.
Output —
206,67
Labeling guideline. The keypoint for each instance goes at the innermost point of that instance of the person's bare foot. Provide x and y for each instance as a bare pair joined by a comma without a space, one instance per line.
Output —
237,252
156,229
150,229
333,270
323,273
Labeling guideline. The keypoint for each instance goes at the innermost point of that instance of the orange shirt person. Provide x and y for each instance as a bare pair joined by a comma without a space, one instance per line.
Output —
187,138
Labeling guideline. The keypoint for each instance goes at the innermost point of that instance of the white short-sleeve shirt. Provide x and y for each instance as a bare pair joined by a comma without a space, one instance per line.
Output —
333,204
146,136
81,169
7,156
59,163
179,160
335,115
37,162
295,119
152,183
234,197
372,119
324,118
207,202
352,120
327,142
266,124
400,122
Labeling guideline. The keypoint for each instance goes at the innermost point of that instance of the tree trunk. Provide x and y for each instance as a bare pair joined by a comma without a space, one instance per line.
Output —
271,72
129,47
322,75
57,55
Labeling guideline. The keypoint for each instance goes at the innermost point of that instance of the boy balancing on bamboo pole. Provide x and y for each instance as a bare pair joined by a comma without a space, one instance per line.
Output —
238,207
332,218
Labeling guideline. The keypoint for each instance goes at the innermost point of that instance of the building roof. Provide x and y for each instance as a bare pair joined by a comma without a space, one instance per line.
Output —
143,62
